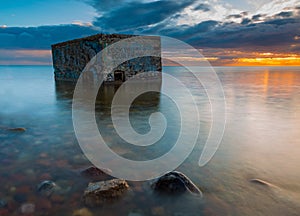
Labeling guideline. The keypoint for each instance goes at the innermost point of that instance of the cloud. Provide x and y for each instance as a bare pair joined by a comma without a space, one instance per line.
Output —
236,16
80,23
284,14
202,7
203,25
258,17
25,57
246,21
276,33
41,37
139,14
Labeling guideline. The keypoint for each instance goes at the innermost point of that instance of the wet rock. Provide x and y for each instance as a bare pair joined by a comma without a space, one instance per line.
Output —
46,188
175,183
82,212
262,182
18,129
101,192
259,181
27,208
3,203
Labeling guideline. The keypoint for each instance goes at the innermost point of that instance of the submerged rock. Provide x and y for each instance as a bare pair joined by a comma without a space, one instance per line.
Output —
18,129
46,188
27,208
82,212
262,182
175,183
104,191
3,203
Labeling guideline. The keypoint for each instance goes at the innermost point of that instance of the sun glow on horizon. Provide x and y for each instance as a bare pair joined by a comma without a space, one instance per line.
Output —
268,61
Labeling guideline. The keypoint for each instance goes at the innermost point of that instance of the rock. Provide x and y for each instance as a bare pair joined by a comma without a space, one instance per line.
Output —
82,212
18,129
27,208
3,203
262,182
12,189
46,188
175,183
104,191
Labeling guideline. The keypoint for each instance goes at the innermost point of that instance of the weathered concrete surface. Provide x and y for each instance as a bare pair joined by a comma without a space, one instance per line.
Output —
71,57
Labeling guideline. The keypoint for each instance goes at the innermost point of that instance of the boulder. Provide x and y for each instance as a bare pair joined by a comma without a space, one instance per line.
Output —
175,183
98,193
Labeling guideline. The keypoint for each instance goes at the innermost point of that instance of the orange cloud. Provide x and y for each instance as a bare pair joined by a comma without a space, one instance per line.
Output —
268,61
25,57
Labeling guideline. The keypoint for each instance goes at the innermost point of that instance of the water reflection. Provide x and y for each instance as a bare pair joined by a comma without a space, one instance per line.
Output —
261,141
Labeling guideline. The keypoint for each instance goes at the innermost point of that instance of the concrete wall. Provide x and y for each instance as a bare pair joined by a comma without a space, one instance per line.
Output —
70,58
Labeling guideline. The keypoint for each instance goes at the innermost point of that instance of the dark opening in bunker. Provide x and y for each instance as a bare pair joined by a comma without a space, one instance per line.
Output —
119,76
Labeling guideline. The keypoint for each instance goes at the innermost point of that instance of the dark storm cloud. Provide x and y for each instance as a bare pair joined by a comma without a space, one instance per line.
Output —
245,21
40,37
159,18
277,33
285,14
234,16
139,14
202,7
185,32
257,17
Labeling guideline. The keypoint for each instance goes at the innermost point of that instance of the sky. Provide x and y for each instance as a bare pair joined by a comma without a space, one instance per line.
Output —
227,32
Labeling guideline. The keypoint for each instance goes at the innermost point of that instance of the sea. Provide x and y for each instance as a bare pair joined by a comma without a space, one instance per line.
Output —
255,170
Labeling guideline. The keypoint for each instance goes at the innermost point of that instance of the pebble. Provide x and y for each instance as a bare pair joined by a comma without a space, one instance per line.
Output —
27,208
46,188
13,189
82,212
3,203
